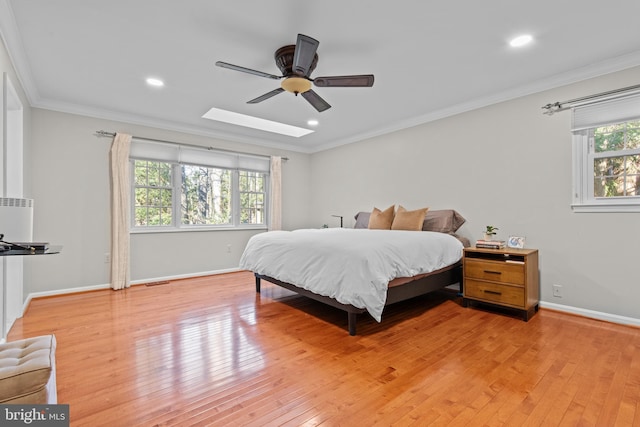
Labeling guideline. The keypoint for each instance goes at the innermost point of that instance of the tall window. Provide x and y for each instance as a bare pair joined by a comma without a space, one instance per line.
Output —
197,188
252,197
153,194
606,151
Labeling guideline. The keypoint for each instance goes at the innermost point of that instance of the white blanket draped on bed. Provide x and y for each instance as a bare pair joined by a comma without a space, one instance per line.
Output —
353,266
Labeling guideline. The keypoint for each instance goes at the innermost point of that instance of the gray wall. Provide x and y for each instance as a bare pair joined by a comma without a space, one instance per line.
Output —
506,165
70,168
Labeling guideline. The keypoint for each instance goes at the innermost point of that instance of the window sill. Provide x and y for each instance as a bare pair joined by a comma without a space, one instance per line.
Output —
195,229
609,207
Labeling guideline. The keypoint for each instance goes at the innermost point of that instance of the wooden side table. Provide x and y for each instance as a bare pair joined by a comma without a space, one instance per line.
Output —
504,277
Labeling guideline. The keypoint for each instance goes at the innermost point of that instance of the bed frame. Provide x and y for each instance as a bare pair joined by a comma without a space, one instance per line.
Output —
426,284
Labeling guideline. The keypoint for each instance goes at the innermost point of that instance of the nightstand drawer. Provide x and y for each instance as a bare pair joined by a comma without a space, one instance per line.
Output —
494,292
496,271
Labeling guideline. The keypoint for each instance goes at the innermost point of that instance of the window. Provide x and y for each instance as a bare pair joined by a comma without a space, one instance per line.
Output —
190,188
614,151
252,195
206,196
606,151
153,194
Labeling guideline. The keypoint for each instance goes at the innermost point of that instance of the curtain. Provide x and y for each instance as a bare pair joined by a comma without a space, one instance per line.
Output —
275,194
120,213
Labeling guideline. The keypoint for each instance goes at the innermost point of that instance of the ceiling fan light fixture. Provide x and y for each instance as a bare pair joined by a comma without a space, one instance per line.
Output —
296,85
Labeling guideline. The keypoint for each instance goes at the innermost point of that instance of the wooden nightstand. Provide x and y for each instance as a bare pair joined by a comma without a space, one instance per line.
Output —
506,277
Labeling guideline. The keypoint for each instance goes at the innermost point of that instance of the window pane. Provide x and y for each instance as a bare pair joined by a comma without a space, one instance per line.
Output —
609,138
165,216
632,181
154,216
141,216
252,197
617,137
206,195
164,178
152,193
140,173
141,197
616,176
154,197
153,174
633,135
608,166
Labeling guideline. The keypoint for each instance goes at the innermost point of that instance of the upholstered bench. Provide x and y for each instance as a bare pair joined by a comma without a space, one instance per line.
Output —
28,371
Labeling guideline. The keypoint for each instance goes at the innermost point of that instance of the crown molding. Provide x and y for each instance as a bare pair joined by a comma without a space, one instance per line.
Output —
590,71
140,120
15,49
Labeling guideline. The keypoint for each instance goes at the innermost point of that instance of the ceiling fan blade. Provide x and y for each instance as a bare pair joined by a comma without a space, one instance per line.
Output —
247,70
362,80
305,52
315,100
266,96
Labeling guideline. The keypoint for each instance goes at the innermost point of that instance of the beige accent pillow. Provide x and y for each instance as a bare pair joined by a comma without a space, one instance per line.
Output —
381,220
409,220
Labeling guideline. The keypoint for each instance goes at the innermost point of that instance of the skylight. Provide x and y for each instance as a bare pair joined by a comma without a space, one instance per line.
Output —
225,116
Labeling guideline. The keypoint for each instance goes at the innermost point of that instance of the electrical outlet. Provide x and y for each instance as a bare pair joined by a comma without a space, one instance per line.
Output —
107,258
557,291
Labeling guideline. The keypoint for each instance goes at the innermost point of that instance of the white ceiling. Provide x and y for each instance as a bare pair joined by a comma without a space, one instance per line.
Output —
430,59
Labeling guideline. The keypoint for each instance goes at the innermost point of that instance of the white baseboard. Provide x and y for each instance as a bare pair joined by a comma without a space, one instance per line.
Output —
108,286
608,317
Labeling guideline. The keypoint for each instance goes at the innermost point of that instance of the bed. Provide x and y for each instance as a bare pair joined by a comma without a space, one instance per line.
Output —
360,269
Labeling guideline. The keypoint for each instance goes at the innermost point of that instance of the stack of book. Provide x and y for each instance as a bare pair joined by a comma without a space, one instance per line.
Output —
490,244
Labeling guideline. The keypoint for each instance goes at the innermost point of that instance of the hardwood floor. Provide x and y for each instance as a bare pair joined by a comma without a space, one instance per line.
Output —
210,351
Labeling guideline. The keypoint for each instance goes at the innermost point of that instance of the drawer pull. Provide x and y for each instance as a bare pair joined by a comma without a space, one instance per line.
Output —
492,272
492,292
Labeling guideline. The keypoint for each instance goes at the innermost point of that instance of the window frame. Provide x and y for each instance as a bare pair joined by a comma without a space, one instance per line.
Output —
134,187
603,113
176,222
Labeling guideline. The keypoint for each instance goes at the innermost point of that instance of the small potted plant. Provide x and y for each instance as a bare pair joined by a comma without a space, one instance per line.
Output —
489,232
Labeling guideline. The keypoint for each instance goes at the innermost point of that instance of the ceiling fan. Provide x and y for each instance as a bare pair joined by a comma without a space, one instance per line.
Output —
297,62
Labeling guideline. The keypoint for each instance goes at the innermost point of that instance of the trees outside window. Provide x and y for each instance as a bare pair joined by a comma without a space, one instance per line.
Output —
606,153
153,194
615,150
169,195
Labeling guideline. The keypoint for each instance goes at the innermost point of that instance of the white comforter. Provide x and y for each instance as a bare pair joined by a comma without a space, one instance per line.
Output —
353,266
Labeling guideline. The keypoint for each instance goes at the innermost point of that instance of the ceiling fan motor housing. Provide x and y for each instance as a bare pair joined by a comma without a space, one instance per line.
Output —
284,60
293,82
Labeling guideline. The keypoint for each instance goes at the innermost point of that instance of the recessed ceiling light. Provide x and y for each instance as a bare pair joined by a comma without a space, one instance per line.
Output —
312,122
151,81
255,122
521,40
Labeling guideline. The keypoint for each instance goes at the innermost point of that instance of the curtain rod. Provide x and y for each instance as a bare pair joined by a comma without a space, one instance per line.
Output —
561,106
103,133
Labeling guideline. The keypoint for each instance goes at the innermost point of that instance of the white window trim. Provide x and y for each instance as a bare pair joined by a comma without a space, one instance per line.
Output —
175,155
625,109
